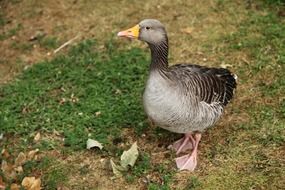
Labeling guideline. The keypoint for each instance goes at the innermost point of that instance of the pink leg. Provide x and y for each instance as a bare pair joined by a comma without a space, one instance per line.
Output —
189,161
183,144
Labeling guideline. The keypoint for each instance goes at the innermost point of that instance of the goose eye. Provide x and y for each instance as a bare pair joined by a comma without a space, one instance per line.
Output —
147,27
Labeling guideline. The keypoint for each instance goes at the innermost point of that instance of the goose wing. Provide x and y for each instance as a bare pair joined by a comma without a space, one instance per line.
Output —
210,85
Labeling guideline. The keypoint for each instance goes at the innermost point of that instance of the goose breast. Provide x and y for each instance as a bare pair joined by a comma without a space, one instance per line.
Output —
175,111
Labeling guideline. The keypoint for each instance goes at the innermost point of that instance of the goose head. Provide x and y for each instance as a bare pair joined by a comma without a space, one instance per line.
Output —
150,31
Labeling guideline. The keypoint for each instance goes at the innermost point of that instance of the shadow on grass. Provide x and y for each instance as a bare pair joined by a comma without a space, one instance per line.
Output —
87,93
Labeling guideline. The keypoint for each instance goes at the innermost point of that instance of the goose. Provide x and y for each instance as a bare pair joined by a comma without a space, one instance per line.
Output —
182,98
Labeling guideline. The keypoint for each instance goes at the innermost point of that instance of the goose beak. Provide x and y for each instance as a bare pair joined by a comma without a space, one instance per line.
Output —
130,33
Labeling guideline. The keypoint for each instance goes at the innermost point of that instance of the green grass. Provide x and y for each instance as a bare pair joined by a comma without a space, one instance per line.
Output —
53,172
193,183
255,144
90,81
65,94
143,165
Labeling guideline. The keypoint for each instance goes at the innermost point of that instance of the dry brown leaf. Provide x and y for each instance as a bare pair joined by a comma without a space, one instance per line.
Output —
37,137
31,183
5,167
32,154
21,159
15,186
2,184
36,185
7,170
19,169
5,153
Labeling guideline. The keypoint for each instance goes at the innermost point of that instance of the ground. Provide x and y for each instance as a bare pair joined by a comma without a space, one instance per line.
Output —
92,89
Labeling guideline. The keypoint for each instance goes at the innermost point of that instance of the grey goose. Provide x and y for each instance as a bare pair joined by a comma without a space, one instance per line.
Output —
183,98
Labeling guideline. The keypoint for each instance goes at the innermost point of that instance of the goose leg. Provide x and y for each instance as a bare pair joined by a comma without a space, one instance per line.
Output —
183,144
189,161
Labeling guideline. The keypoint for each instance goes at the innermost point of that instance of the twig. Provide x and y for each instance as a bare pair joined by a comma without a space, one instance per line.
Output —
66,43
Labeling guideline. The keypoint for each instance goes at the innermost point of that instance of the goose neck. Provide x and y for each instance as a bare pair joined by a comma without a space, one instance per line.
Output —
159,55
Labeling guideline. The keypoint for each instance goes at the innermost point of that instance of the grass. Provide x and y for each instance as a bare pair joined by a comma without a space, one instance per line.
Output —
67,97
94,92
193,183
23,47
48,42
54,174
12,32
72,90
2,20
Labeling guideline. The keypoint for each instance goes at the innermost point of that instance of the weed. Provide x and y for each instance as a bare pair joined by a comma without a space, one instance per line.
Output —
142,166
55,177
164,176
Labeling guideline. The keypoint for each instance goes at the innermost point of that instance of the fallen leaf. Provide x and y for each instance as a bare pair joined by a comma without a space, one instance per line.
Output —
37,137
7,170
2,184
5,153
130,156
32,154
5,167
21,159
31,183
19,169
1,136
93,143
117,170
15,186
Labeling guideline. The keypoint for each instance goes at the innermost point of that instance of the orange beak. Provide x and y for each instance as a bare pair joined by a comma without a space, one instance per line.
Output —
130,33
